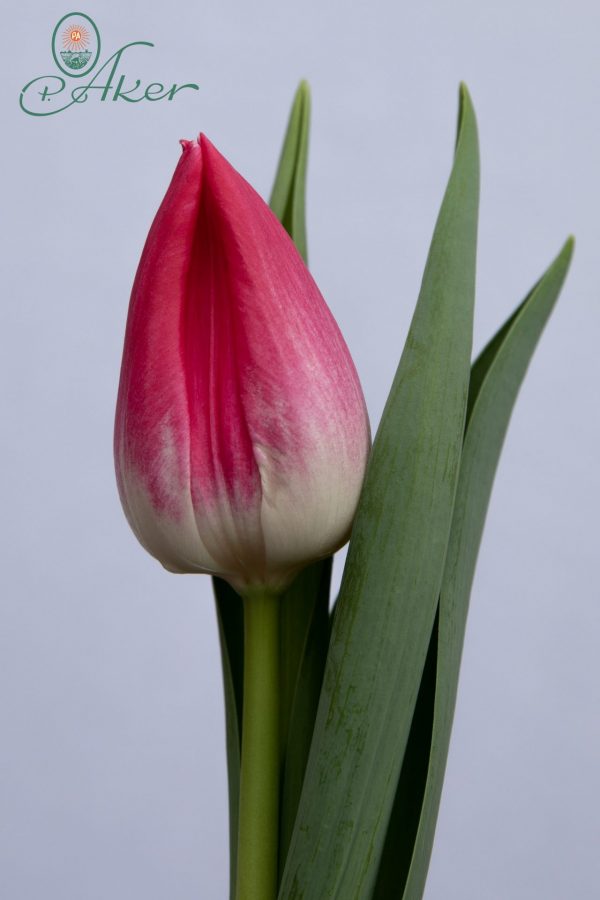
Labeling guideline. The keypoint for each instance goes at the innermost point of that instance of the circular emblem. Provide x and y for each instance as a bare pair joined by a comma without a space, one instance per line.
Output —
76,44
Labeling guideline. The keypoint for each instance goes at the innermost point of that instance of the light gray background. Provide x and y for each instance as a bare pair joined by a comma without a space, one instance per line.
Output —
112,760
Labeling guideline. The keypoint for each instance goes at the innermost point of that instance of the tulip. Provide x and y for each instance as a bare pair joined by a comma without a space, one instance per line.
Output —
241,433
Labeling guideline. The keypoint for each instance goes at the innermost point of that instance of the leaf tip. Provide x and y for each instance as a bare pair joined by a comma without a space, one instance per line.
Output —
565,254
466,128
465,104
463,92
302,100
303,91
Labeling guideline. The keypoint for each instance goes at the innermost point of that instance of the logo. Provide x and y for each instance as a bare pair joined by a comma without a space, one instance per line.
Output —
76,44
76,49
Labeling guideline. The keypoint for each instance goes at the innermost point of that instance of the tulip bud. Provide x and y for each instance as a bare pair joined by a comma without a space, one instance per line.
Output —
241,432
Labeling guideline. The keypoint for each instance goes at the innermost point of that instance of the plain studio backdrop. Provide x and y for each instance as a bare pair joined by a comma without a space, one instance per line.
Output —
112,755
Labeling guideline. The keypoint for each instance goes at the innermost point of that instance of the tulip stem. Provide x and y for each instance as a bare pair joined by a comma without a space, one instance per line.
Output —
259,778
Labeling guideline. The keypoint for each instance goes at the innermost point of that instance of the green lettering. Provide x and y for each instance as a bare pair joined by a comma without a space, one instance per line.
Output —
46,94
124,95
154,95
180,87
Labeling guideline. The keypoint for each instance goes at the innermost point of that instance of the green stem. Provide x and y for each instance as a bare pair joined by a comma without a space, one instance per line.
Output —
259,779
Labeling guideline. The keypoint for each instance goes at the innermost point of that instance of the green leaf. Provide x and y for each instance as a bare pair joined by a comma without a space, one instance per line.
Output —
391,584
304,642
230,618
495,382
288,197
304,614
408,801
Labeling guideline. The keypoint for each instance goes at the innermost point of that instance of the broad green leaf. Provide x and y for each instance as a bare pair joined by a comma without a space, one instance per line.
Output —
304,619
495,382
408,801
288,197
392,579
304,642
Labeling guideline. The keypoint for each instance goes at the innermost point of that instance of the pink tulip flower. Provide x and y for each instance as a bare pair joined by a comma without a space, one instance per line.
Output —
241,433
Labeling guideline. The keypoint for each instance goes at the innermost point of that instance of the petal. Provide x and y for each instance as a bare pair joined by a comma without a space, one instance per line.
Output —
241,436
288,433
152,446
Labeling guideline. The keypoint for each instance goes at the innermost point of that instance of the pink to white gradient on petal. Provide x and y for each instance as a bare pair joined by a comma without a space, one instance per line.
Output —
241,433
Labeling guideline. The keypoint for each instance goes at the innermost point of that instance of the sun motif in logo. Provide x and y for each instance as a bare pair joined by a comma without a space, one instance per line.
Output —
75,37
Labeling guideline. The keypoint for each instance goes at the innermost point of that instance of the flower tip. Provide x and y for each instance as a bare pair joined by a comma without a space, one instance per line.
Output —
204,143
186,145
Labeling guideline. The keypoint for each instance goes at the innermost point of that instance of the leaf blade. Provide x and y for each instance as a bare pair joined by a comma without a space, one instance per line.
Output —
498,373
305,638
288,197
390,580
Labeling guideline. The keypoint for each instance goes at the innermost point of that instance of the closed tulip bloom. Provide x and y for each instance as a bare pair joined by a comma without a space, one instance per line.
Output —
241,433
